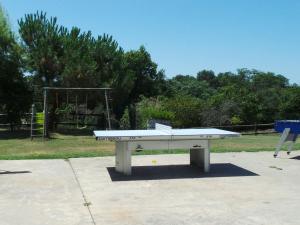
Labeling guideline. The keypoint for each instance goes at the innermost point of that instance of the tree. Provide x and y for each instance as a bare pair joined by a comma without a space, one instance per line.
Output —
57,56
142,79
186,110
208,76
268,88
78,64
188,85
143,72
290,103
109,58
152,108
262,80
228,78
111,71
14,95
43,43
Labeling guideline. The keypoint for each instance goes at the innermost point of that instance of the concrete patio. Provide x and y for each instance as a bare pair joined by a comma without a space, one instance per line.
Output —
242,188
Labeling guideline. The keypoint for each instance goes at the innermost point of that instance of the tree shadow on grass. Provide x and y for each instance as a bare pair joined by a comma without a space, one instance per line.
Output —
162,172
18,134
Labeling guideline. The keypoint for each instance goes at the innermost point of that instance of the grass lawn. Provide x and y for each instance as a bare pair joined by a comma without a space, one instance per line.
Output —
71,146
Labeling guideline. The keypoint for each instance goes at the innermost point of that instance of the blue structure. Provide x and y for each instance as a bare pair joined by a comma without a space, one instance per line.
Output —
290,130
294,126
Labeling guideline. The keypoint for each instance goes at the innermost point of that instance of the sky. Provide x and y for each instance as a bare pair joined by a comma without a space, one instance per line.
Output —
185,36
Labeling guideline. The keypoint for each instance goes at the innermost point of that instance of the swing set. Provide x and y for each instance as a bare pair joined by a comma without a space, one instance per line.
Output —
75,108
68,109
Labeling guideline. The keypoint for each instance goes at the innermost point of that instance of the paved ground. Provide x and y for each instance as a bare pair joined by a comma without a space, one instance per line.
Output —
242,188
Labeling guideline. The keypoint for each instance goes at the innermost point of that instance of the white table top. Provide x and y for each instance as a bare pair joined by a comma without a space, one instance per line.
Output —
168,134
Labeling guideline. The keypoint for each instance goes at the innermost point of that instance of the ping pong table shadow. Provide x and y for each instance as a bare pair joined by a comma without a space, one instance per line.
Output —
3,172
296,157
162,172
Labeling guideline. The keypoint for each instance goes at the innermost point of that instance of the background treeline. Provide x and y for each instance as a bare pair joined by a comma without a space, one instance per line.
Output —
44,53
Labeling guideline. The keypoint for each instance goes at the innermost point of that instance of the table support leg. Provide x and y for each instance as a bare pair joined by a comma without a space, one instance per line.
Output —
200,156
283,138
123,158
290,148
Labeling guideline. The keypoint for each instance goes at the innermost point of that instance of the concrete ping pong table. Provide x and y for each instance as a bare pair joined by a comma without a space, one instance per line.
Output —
163,137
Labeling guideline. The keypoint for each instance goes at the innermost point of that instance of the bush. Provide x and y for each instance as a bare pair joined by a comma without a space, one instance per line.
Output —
124,121
236,120
186,110
151,108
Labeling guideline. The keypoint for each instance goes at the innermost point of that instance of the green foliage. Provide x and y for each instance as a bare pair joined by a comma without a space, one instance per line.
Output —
235,120
56,56
146,109
14,94
186,109
290,103
4,24
142,80
188,85
77,59
152,108
143,73
221,113
209,77
124,121
63,109
43,42
262,80
109,58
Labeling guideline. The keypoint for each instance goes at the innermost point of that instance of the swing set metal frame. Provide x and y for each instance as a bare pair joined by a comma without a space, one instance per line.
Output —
46,91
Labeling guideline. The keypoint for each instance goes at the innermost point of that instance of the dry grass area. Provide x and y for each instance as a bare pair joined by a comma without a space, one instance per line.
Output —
19,146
